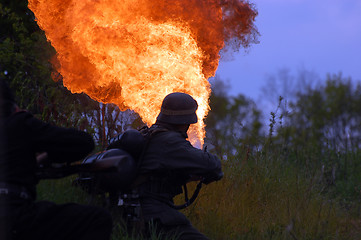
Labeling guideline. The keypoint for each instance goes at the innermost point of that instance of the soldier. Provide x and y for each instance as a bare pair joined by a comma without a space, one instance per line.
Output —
169,162
22,137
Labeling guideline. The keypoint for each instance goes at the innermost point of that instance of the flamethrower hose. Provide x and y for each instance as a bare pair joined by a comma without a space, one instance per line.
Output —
188,202
53,172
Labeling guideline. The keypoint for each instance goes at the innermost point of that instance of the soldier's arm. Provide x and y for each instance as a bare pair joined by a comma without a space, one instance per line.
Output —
60,144
192,160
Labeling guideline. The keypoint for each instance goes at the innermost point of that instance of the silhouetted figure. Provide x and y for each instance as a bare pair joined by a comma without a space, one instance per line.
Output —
22,137
169,162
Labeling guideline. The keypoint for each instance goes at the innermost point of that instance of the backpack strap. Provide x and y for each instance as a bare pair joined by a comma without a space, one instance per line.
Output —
147,133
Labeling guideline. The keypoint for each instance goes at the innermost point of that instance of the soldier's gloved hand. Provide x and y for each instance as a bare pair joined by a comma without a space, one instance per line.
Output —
213,177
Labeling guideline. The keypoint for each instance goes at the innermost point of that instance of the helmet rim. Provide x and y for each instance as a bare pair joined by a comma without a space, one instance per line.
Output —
178,108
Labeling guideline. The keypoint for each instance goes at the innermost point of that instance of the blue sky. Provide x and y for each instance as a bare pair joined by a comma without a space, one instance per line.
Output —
322,36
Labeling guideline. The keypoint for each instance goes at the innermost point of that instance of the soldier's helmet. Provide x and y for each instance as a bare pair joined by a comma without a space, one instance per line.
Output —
178,108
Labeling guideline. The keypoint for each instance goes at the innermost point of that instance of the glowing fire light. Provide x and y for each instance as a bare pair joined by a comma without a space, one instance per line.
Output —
135,52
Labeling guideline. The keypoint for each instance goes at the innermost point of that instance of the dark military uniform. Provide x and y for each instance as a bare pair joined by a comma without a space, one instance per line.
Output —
22,136
169,162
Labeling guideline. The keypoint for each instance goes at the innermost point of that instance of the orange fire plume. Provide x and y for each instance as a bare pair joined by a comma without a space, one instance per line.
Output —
134,52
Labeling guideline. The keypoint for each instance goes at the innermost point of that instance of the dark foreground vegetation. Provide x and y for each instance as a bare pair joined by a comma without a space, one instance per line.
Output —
295,175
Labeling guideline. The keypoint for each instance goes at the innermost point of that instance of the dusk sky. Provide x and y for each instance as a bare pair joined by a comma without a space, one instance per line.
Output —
322,36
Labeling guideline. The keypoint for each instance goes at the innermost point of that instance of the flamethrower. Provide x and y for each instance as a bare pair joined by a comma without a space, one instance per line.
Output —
113,171
108,174
113,174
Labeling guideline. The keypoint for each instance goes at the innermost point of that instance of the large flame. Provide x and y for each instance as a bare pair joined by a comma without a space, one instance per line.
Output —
135,52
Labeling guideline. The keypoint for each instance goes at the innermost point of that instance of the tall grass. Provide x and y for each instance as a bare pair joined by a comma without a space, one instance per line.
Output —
283,192
263,199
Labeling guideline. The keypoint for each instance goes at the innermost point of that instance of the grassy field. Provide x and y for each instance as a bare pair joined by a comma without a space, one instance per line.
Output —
262,198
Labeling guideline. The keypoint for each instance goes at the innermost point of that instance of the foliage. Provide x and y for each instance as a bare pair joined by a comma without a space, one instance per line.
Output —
25,65
108,121
326,121
266,198
284,190
24,55
232,121
328,116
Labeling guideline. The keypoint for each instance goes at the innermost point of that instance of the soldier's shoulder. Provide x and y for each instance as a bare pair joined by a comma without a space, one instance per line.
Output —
19,116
